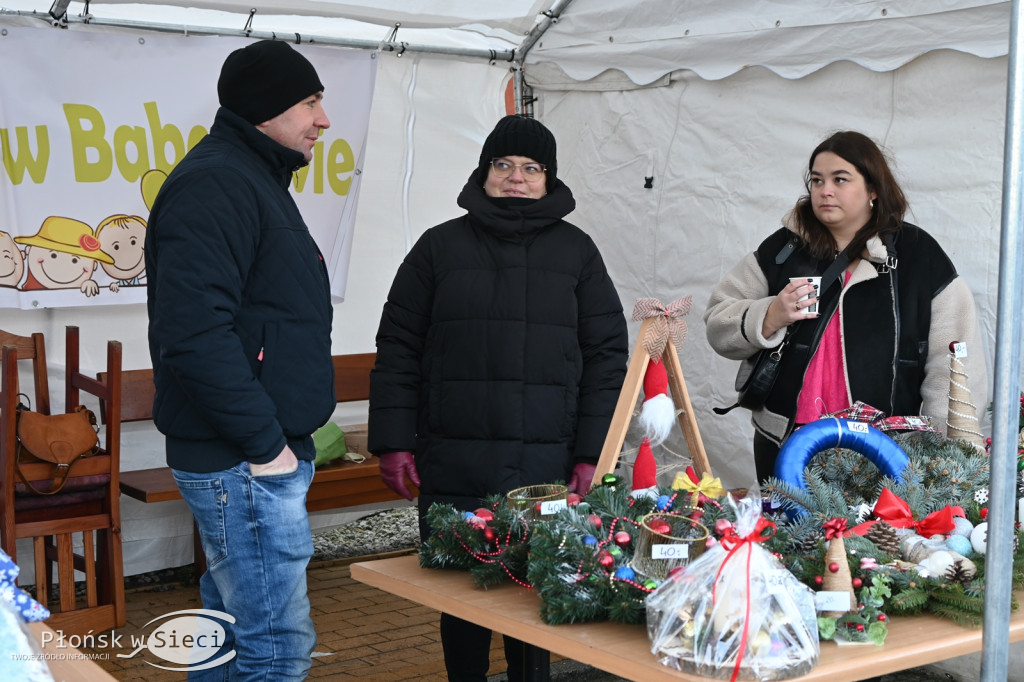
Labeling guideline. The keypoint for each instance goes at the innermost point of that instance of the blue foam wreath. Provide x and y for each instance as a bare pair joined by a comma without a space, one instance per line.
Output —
810,439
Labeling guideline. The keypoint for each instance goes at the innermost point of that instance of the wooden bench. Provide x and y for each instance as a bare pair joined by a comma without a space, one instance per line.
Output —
337,485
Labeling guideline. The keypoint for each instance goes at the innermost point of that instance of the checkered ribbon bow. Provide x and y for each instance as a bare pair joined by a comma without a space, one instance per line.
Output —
666,323
862,412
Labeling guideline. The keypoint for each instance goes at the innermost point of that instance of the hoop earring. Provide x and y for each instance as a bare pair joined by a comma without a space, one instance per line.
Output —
871,203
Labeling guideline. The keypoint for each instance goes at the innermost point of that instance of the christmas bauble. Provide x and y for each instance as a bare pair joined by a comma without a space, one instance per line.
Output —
622,538
490,534
615,551
961,526
595,521
722,525
573,499
624,573
610,479
663,502
485,514
959,544
589,540
660,526
979,537
606,560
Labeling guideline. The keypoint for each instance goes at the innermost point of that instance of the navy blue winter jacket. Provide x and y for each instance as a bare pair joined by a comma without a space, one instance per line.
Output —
239,306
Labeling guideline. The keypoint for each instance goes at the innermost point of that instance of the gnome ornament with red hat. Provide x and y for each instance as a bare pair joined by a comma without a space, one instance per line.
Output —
645,472
658,411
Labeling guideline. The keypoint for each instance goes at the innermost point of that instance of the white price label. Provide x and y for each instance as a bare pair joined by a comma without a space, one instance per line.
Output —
776,581
959,349
832,601
670,551
857,427
552,507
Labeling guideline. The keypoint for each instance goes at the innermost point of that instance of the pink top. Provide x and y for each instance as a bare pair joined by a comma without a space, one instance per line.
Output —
824,389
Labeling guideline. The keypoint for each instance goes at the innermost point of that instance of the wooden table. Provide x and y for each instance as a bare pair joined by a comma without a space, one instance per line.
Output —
71,668
624,650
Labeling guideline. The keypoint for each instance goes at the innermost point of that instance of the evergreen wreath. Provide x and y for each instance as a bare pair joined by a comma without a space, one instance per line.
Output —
582,572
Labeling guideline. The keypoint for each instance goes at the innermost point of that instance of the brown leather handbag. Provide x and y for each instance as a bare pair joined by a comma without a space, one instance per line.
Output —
59,439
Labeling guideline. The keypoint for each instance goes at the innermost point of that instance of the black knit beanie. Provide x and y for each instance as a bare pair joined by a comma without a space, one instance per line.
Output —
520,136
264,79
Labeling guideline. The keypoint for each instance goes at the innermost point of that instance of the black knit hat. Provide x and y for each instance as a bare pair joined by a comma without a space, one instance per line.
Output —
520,136
264,79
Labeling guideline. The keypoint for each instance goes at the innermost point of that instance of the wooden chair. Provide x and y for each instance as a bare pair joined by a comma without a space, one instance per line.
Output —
89,504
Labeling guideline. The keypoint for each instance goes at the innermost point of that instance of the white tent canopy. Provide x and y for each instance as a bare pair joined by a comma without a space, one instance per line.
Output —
719,104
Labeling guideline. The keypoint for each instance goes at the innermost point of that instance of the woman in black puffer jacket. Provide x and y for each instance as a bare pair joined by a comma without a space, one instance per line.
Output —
501,350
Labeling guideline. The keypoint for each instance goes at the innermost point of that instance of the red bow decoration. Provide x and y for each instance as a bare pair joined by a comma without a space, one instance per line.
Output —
732,542
835,528
665,323
894,511
863,412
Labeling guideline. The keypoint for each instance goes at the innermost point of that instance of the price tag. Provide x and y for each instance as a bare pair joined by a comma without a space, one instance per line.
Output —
776,581
552,507
670,551
857,427
832,601
959,349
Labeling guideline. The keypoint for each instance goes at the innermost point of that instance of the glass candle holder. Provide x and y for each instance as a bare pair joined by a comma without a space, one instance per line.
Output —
537,502
667,540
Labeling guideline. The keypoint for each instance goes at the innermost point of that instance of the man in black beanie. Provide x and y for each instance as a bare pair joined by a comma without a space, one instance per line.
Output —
501,352
240,339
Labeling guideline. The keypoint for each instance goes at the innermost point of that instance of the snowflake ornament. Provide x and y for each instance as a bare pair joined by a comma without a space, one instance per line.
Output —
981,495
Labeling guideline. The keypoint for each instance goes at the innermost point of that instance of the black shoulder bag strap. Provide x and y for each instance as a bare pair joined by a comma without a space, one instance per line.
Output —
772,357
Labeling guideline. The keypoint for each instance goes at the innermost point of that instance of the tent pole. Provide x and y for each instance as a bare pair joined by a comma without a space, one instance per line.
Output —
399,47
522,92
1006,388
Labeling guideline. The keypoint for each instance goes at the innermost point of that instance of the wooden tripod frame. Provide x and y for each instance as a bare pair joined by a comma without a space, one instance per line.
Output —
627,401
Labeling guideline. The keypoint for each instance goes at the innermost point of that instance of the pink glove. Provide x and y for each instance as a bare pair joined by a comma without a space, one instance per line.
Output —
394,468
582,477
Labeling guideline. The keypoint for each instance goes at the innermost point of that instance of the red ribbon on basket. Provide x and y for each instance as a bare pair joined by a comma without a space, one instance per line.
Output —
894,511
732,542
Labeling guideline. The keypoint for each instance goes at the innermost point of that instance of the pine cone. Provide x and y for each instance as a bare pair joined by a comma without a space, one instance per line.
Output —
961,572
885,537
808,544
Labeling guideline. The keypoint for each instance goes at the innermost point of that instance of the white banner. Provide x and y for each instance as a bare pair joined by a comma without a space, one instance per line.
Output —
91,123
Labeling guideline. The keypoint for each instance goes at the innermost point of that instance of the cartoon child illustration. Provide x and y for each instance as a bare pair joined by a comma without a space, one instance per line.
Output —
12,261
62,255
123,238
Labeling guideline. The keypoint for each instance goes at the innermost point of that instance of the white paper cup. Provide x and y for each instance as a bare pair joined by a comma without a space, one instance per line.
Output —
816,283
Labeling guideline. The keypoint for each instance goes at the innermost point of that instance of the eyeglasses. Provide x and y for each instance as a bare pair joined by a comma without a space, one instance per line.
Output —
502,168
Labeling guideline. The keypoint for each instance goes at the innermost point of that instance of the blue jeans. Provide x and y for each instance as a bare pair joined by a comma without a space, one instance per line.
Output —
256,537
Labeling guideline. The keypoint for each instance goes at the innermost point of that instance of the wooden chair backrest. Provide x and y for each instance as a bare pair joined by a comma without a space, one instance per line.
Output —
137,392
351,382
352,376
31,348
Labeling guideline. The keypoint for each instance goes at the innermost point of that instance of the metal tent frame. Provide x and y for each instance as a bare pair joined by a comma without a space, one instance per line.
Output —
1010,314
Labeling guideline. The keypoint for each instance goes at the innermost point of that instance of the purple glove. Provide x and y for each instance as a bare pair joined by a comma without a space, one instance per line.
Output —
582,477
394,468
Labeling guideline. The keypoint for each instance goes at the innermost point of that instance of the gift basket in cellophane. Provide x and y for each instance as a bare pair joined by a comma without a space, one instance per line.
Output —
736,612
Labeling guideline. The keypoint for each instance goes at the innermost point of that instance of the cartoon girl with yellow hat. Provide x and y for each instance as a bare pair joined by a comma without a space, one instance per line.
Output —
62,255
